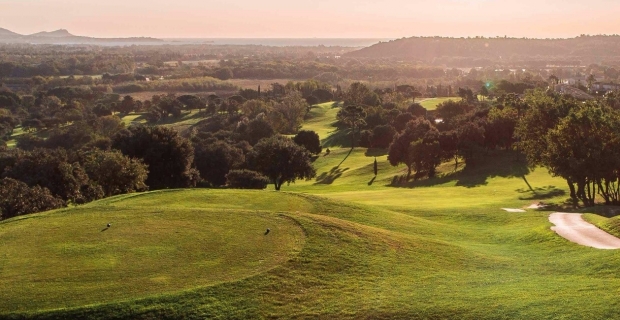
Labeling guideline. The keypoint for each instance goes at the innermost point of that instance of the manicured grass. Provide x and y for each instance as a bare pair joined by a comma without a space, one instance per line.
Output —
70,258
432,103
346,245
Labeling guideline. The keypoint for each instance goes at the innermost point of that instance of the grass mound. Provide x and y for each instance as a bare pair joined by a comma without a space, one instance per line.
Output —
71,258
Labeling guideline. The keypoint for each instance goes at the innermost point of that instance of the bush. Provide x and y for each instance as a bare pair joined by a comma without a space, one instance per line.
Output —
246,179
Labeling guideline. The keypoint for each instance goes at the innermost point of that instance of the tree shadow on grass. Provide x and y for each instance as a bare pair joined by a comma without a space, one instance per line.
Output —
495,164
340,137
604,211
542,193
372,180
331,176
334,173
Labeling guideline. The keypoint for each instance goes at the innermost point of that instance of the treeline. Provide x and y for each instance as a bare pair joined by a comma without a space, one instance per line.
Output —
25,61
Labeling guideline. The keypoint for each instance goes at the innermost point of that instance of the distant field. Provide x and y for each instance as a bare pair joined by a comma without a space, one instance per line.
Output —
432,103
253,84
148,95
97,76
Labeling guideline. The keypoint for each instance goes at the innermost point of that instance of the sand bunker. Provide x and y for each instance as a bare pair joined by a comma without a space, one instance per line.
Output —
513,210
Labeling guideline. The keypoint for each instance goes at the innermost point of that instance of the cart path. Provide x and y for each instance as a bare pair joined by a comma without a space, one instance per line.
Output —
572,227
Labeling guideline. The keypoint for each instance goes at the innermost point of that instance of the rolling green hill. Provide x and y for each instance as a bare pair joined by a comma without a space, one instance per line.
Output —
346,245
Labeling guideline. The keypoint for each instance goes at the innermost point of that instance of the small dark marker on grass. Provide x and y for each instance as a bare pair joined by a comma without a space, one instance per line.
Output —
267,232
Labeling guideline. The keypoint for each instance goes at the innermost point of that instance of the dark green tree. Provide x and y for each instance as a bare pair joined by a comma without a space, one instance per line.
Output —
401,151
309,140
114,172
17,198
282,161
353,117
168,155
215,159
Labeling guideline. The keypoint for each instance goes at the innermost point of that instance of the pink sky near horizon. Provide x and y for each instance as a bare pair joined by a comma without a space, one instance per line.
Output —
309,19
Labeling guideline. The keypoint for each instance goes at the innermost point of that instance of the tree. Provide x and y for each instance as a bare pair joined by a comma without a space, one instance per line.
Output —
215,159
417,110
323,95
224,73
401,120
255,130
115,172
450,109
356,94
17,198
191,102
168,155
382,136
425,154
309,140
484,91
591,79
353,117
50,169
553,79
401,150
467,95
293,109
101,110
282,161
470,141
584,148
127,106
375,167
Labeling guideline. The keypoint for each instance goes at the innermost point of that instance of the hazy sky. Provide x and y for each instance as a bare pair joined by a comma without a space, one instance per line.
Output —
314,18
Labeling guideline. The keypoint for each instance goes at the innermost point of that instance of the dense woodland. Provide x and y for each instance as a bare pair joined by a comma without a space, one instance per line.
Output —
75,148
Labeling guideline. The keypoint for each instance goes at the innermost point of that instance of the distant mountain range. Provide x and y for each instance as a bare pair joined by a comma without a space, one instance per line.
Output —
63,36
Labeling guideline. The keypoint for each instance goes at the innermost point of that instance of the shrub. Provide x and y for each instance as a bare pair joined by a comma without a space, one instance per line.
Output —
246,179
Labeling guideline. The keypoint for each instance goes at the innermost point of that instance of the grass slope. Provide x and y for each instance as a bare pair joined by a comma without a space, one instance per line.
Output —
354,246
150,248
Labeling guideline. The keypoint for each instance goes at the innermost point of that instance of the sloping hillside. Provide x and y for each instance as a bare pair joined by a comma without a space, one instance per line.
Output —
497,50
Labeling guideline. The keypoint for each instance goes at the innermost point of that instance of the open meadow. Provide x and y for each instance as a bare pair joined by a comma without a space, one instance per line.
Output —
346,244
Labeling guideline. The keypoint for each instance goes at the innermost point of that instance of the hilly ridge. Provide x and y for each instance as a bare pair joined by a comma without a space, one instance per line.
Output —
63,36
481,51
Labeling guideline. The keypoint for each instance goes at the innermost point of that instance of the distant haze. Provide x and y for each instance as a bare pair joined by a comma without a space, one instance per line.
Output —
316,18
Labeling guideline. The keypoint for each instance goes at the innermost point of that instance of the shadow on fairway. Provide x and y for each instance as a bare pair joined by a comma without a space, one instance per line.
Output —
372,180
542,193
331,176
499,164
340,137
